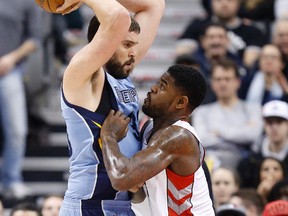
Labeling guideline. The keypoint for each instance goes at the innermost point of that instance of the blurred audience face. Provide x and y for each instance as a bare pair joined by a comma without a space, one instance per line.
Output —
280,36
270,61
215,42
249,200
224,184
224,83
238,202
51,206
276,129
225,10
25,213
271,170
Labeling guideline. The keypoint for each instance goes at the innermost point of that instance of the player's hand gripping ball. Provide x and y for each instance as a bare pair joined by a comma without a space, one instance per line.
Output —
66,6
49,5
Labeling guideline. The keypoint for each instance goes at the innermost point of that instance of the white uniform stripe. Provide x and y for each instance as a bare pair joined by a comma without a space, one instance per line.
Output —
179,194
179,209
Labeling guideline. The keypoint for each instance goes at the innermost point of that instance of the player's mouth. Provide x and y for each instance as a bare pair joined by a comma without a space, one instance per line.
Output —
128,66
147,99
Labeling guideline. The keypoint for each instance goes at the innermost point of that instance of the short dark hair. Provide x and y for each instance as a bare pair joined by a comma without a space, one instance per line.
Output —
250,197
227,64
25,206
186,59
212,24
94,25
279,190
191,82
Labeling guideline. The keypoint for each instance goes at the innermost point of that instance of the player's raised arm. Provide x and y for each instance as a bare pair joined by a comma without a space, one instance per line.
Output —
148,14
87,62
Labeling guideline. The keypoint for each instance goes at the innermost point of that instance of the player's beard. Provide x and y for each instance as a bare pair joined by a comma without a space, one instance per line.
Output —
116,69
146,107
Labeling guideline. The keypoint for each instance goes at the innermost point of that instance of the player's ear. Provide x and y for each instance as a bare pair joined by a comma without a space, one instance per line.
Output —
182,102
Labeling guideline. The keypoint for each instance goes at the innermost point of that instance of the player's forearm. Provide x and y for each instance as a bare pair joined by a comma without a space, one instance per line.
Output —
148,14
28,47
136,6
116,164
109,12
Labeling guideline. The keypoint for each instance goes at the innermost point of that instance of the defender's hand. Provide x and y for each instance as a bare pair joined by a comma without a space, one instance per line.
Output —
115,125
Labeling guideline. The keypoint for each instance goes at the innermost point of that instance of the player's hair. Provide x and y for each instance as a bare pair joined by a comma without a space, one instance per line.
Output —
191,82
94,25
226,63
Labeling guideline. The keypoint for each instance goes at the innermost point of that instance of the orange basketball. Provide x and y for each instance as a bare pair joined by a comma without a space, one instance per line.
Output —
49,5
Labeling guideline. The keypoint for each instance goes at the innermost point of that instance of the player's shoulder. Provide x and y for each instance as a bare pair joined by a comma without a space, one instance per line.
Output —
181,132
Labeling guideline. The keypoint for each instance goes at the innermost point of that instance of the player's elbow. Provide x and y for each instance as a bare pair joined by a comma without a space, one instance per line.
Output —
120,179
158,6
120,184
120,20
161,5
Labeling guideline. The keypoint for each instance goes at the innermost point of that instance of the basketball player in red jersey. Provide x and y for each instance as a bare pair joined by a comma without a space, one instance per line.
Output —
170,162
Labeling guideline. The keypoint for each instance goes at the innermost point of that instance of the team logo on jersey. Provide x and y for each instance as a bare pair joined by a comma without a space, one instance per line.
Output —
127,95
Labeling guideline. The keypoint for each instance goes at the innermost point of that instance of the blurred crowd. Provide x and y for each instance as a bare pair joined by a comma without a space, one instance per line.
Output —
241,48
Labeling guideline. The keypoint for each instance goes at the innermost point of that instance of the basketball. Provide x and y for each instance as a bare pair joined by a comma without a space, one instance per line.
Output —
49,5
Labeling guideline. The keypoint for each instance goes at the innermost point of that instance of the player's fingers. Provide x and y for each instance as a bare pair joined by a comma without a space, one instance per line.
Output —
127,119
67,8
71,8
126,130
120,114
111,113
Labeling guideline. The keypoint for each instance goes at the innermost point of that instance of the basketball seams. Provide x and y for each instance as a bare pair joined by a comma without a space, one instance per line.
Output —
48,4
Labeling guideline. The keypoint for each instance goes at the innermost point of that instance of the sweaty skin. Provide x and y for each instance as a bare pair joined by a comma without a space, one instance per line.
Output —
169,146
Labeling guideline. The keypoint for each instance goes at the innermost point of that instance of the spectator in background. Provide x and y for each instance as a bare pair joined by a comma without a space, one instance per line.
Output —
225,182
263,10
241,35
270,172
19,36
230,210
51,205
273,143
280,39
249,200
279,191
269,82
25,209
214,48
187,59
228,126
